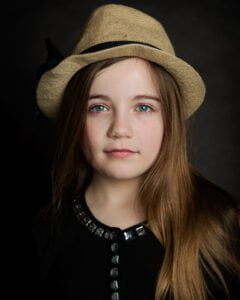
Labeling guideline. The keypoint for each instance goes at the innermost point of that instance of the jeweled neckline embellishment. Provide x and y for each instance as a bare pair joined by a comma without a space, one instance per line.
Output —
85,216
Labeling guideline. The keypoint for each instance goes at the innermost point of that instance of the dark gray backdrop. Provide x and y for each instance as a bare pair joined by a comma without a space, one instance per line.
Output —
204,33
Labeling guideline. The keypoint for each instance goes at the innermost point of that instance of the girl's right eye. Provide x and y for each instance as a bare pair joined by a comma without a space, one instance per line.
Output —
97,108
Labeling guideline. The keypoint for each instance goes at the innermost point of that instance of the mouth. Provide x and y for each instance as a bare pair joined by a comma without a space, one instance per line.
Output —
120,150
120,153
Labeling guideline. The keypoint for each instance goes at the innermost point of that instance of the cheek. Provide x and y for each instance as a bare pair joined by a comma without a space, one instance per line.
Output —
93,135
151,135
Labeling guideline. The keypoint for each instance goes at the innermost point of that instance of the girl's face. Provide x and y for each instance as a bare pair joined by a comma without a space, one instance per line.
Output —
124,112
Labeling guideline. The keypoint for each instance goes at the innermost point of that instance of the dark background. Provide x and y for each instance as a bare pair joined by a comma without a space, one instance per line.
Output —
204,33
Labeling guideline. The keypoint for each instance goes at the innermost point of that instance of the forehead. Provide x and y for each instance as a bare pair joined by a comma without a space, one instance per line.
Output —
131,75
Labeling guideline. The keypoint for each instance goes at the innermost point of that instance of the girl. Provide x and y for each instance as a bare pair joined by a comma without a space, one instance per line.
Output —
130,218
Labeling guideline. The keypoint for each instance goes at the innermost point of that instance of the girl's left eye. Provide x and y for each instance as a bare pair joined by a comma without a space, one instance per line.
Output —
145,107
99,108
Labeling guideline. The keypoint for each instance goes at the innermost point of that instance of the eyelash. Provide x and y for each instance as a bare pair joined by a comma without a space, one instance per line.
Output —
90,108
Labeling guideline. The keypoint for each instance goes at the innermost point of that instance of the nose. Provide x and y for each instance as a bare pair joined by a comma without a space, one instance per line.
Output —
120,126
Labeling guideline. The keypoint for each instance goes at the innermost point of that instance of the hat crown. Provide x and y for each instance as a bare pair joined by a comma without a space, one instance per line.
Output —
115,22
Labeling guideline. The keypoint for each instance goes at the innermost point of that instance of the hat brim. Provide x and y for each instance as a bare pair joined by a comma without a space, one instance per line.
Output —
52,83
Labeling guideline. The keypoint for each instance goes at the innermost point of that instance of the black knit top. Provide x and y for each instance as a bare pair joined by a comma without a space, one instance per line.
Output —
89,260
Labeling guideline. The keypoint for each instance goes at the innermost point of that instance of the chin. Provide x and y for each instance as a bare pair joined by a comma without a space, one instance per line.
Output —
122,176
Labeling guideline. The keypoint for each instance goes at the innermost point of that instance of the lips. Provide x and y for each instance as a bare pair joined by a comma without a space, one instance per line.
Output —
120,150
120,153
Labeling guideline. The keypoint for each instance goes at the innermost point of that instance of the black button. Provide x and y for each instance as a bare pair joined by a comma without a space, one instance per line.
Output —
114,272
115,296
114,247
129,235
115,259
114,285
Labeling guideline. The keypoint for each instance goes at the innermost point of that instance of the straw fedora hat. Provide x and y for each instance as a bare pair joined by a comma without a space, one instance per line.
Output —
115,30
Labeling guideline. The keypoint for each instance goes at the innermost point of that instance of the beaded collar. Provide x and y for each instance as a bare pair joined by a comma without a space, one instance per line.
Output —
85,216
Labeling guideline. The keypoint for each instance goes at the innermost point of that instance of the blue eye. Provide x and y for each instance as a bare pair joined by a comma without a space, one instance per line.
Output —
97,108
145,107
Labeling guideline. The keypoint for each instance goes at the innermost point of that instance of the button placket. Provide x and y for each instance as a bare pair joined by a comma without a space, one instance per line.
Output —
114,271
112,235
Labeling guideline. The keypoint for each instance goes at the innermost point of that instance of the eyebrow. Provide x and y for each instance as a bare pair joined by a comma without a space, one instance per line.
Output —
137,97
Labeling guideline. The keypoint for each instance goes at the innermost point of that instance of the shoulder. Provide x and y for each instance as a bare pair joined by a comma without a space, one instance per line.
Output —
208,187
50,234
219,205
223,208
49,229
215,198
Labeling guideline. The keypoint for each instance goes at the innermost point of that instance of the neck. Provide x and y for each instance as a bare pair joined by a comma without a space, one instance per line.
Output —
113,193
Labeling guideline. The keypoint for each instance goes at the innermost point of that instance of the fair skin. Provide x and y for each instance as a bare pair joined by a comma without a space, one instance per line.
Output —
124,111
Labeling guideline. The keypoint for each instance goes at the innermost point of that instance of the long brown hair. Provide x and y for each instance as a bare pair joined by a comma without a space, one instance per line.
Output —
194,231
